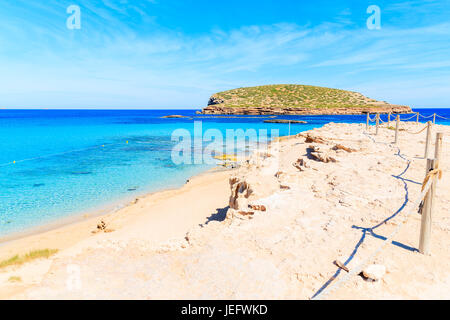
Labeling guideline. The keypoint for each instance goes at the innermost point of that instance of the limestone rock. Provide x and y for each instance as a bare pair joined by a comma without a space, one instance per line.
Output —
374,272
101,225
258,207
320,155
300,164
310,139
284,121
341,147
176,116
240,192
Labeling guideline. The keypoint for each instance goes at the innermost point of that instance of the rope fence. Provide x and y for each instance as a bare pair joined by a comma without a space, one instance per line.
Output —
426,117
442,117
428,126
415,115
418,131
423,204
358,269
378,121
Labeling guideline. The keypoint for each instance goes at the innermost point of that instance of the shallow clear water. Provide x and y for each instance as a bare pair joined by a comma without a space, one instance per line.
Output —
70,161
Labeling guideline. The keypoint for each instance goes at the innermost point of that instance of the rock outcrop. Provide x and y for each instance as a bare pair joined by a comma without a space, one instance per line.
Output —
317,153
285,121
218,109
174,116
260,180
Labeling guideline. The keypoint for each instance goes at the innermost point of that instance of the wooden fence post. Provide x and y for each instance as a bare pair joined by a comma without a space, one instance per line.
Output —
396,128
389,119
427,211
428,139
367,120
377,122
434,118
438,147
417,120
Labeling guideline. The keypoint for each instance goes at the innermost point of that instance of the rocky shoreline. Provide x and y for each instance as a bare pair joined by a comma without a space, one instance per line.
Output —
224,110
285,121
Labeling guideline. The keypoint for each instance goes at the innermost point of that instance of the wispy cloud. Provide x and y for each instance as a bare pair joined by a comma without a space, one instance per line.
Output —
117,60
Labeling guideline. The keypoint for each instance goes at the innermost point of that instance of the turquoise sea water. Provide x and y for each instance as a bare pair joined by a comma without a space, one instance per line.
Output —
72,161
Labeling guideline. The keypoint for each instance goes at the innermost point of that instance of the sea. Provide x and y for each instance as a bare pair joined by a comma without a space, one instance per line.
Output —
59,164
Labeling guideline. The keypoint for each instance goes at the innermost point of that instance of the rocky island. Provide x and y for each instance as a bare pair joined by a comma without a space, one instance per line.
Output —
290,99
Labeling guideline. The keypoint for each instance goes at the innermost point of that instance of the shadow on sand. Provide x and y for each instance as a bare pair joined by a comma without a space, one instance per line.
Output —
219,215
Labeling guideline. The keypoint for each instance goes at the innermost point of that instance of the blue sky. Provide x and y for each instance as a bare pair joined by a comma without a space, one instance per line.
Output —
175,54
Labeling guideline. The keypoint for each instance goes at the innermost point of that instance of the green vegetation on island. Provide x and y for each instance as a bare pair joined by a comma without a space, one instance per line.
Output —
295,99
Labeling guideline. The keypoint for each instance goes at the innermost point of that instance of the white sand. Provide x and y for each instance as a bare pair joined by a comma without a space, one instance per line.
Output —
158,250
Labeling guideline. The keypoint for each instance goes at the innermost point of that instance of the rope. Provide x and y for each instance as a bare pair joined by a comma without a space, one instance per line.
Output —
409,118
388,240
372,120
371,229
442,117
431,174
419,131
325,289
426,116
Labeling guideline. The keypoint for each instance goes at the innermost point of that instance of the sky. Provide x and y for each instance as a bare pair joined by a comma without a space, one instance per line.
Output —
162,54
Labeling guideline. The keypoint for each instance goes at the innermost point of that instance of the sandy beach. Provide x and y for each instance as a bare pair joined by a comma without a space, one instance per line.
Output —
271,229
